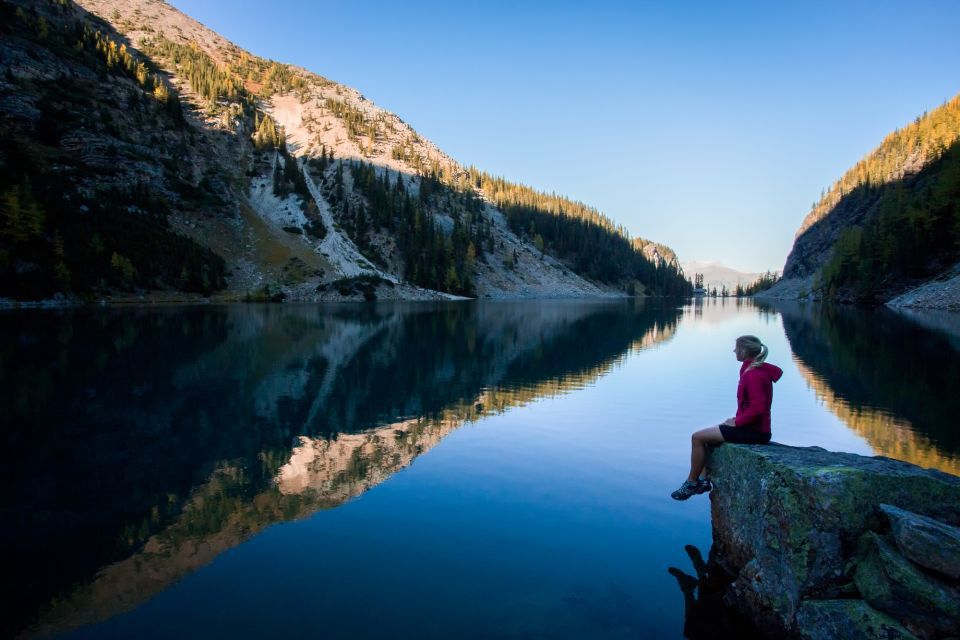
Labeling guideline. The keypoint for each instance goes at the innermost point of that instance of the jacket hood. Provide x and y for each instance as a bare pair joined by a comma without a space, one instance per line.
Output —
772,371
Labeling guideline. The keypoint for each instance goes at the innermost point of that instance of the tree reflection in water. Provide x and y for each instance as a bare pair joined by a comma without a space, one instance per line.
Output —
888,377
144,442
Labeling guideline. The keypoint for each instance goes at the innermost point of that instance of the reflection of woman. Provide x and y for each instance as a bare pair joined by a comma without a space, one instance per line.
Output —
751,425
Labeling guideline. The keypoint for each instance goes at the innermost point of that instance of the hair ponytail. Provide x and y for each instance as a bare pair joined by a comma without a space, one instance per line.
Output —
754,349
761,357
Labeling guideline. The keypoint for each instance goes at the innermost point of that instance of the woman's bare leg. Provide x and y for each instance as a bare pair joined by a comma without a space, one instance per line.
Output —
698,452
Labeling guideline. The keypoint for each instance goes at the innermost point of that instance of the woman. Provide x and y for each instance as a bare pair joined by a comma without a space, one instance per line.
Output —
751,425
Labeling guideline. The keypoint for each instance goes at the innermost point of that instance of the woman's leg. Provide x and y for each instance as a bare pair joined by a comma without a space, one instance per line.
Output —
698,452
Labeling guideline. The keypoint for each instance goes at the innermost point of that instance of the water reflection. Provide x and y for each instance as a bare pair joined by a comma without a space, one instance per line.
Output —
888,435
143,442
705,614
887,376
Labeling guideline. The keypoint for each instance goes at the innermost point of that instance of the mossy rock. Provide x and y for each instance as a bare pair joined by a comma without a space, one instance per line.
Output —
892,584
788,519
847,620
925,541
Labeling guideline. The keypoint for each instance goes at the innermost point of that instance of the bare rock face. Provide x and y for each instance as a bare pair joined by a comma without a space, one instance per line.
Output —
813,245
788,522
925,541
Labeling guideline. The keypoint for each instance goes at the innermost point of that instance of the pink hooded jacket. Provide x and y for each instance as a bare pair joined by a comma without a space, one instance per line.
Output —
754,395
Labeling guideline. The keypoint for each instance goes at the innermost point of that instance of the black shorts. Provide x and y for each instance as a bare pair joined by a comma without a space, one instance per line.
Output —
742,435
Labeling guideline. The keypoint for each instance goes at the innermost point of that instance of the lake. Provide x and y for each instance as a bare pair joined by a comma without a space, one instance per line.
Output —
476,469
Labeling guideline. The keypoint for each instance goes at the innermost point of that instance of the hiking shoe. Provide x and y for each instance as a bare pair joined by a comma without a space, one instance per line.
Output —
687,489
691,488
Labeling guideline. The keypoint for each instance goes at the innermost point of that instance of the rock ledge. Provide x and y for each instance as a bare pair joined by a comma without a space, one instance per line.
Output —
805,534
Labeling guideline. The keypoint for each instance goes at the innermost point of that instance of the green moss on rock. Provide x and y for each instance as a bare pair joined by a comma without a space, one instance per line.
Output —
788,519
925,541
846,620
892,584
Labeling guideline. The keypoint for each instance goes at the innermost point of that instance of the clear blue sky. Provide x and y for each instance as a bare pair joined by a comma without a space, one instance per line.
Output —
708,126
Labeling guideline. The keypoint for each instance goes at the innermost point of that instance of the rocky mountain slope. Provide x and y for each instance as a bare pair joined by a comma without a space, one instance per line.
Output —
144,152
890,225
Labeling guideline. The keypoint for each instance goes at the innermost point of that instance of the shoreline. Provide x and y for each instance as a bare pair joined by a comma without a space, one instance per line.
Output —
185,301
941,293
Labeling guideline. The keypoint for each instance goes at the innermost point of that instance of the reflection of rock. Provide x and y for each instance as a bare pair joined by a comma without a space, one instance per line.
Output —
282,355
344,467
889,436
788,521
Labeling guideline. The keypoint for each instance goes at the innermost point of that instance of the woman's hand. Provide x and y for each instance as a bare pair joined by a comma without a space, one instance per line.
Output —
730,422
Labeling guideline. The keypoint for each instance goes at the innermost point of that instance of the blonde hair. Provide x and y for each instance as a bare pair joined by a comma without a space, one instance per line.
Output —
755,349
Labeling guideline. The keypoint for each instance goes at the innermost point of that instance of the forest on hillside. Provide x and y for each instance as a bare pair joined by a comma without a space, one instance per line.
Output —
586,239
913,234
892,222
98,158
73,216
902,152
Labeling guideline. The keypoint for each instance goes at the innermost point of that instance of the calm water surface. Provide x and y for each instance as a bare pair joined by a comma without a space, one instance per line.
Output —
489,470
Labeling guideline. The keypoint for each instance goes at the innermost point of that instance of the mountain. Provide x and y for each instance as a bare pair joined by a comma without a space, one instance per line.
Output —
655,252
142,152
717,275
889,229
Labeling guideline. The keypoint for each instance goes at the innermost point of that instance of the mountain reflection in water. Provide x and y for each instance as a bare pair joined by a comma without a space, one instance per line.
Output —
887,376
145,442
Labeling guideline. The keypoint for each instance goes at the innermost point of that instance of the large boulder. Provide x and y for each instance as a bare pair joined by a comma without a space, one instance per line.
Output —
927,542
890,583
846,620
787,520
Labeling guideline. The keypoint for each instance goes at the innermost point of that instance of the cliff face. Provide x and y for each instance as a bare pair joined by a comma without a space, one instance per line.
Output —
815,239
815,541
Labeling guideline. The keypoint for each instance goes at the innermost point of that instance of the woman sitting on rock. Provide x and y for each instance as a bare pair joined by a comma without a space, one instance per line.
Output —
751,425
